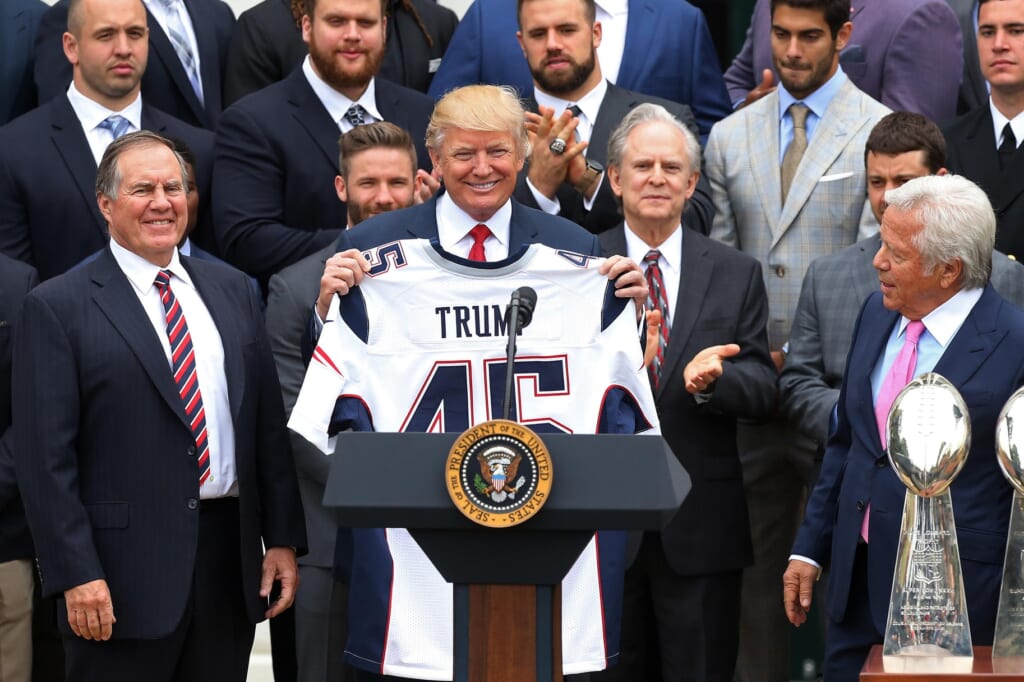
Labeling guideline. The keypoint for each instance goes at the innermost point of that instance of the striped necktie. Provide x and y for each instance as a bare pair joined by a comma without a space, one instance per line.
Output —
657,300
116,124
180,42
183,364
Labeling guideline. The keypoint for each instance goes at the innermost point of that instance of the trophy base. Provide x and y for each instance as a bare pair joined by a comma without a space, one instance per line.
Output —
926,658
1007,664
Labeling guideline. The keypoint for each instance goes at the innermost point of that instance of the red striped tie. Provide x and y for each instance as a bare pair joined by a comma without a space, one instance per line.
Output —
183,364
657,300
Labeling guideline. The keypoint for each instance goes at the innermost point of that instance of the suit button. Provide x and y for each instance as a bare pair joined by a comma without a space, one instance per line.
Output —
193,503
881,462
192,451
860,505
780,271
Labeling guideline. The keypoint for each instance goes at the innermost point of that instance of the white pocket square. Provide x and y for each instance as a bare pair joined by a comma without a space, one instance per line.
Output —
835,176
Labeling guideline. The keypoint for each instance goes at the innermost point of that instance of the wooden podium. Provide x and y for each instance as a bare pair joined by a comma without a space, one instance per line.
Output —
506,580
982,670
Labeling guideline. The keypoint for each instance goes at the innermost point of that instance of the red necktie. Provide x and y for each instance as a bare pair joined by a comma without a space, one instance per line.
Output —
899,375
479,234
657,300
183,361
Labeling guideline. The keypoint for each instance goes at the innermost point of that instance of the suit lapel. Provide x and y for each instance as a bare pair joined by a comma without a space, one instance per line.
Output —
767,175
614,108
309,111
115,297
974,342
522,230
695,280
226,320
641,24
73,147
876,326
979,155
161,45
209,60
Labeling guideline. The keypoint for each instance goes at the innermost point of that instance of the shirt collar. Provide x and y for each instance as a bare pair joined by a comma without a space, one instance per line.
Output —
999,122
91,113
614,7
818,100
335,102
944,322
140,272
453,224
589,104
671,249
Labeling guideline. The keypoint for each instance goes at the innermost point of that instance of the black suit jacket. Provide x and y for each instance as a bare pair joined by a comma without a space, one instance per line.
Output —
108,469
48,212
164,84
721,299
972,152
274,200
16,280
604,213
18,22
268,45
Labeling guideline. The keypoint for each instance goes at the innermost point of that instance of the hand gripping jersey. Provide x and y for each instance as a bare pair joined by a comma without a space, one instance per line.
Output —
420,346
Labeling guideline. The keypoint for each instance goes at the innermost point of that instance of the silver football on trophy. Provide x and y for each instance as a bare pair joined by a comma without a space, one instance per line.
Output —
1010,440
929,434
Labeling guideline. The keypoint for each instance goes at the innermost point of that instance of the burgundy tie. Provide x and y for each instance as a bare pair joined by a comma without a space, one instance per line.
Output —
657,299
183,364
480,233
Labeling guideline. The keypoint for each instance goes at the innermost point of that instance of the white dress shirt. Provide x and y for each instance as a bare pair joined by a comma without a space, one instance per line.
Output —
209,352
91,114
999,122
338,104
454,224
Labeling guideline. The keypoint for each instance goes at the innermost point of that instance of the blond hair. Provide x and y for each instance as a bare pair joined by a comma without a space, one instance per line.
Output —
486,108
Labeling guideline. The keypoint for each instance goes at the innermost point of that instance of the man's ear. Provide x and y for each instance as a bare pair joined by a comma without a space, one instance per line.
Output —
339,187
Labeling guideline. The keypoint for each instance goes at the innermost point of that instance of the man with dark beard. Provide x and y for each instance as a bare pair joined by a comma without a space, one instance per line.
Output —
274,200
575,110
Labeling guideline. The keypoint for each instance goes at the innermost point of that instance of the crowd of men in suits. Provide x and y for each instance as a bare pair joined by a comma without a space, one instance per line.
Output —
149,148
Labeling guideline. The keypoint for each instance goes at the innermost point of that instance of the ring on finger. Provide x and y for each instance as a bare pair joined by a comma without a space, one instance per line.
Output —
557,146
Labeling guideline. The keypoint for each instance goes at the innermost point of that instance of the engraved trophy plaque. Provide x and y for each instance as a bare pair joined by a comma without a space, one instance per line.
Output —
1008,644
929,435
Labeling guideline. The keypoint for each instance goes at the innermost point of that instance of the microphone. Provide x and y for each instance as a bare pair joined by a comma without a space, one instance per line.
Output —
518,316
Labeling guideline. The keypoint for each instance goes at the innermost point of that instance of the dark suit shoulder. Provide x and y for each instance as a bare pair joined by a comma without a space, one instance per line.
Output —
719,252
15,276
439,20
967,124
34,122
387,89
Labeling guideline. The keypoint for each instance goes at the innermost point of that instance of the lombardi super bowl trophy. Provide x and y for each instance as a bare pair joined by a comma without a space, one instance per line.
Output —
929,434
1008,643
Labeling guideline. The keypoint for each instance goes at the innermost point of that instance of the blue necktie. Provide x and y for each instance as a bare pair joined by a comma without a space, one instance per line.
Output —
179,41
117,125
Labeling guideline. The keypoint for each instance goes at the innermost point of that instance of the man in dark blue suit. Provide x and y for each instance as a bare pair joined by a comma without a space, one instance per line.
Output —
48,212
657,47
160,468
16,552
205,26
934,265
277,150
18,22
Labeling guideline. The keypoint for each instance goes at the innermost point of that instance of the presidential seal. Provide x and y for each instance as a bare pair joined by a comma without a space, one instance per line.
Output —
498,473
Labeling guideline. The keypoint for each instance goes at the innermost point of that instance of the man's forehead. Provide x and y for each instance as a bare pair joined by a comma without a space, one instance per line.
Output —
1001,11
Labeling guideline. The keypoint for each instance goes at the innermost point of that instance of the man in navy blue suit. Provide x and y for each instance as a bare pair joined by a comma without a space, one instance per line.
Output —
48,212
158,481
18,22
933,266
277,150
202,28
656,47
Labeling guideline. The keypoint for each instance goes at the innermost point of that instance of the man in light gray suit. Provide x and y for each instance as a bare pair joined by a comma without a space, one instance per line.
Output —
788,186
378,174
903,146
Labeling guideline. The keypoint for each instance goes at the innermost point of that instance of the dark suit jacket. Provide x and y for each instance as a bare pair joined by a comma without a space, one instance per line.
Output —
164,84
108,469
973,88
604,213
16,280
984,362
274,200
679,64
972,152
268,45
18,22
901,52
721,299
48,211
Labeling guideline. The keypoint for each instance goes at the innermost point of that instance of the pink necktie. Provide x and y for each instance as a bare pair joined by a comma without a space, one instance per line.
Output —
900,374
480,233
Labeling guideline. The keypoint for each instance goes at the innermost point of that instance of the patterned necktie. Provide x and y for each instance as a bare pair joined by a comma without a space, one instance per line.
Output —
356,115
899,375
657,300
791,159
117,125
1008,147
183,364
578,113
480,233
182,47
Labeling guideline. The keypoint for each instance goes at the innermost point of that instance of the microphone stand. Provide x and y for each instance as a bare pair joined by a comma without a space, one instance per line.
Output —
513,330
